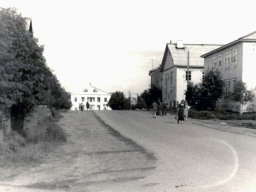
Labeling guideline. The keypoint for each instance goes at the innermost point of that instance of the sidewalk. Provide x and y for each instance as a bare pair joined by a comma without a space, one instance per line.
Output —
241,127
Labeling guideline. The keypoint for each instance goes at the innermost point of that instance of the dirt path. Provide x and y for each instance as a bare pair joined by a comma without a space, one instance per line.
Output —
95,158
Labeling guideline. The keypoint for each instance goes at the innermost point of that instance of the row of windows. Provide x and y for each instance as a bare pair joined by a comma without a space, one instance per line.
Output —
91,99
218,62
228,87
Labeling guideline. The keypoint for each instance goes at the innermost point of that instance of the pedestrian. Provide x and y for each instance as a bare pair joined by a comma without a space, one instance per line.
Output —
82,107
164,107
87,105
180,113
159,107
186,111
154,108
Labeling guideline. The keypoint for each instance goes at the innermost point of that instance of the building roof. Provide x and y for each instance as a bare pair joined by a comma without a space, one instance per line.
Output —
179,53
251,37
154,70
92,90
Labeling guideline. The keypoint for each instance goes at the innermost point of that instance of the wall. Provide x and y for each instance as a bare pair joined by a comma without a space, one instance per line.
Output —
249,62
196,77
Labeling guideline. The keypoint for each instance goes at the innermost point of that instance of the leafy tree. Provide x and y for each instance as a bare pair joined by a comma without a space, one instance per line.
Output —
141,104
191,95
117,101
241,94
152,94
25,79
205,95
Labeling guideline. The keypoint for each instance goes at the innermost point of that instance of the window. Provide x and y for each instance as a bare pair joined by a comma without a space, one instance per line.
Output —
227,86
234,58
188,75
82,99
90,99
75,99
208,63
105,99
171,77
98,99
214,62
202,75
220,60
227,60
234,83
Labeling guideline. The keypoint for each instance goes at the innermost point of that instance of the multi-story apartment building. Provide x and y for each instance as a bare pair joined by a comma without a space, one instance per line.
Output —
235,61
156,77
96,98
182,63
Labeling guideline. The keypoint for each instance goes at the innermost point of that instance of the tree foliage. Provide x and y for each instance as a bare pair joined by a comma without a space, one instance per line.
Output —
205,95
25,79
152,94
241,94
118,101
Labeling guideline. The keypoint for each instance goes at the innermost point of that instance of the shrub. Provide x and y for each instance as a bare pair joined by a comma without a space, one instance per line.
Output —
55,133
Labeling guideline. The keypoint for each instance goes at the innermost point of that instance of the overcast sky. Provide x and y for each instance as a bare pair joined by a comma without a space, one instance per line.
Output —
111,43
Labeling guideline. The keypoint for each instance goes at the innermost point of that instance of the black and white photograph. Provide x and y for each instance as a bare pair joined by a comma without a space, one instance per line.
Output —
127,96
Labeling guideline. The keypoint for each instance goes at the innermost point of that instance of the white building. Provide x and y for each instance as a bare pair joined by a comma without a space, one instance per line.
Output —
182,63
236,62
96,98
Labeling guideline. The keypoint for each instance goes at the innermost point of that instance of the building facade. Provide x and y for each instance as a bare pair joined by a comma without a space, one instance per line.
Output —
181,64
96,98
156,77
235,61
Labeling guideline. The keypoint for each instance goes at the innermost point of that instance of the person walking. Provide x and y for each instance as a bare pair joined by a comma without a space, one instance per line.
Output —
180,114
159,107
154,108
186,111
164,108
87,105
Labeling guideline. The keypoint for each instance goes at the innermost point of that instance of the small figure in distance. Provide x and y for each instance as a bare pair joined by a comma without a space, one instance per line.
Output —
180,113
154,108
87,105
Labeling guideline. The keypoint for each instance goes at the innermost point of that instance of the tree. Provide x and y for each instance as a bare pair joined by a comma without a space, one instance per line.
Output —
241,94
191,95
117,101
141,104
25,79
205,96
152,94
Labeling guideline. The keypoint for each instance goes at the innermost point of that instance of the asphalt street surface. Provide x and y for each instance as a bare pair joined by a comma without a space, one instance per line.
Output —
129,151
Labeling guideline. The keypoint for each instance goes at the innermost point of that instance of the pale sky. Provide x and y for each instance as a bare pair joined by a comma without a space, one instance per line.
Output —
111,43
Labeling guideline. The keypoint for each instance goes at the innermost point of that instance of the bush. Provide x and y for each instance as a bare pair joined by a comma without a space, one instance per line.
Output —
200,114
55,133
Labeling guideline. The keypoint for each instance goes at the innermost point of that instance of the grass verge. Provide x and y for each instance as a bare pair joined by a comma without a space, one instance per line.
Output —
19,153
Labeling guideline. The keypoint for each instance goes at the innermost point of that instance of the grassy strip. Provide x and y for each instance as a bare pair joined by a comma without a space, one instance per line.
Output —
22,152
222,115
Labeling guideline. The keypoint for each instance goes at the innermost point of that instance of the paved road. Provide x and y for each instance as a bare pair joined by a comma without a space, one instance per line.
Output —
129,151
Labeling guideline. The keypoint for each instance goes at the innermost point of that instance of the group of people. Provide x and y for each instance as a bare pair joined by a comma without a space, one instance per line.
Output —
81,106
160,108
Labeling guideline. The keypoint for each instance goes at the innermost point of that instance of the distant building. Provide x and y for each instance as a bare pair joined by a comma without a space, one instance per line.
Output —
236,62
156,77
97,99
181,63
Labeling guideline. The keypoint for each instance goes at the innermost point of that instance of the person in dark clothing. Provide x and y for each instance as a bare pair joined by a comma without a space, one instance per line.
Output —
87,105
180,114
